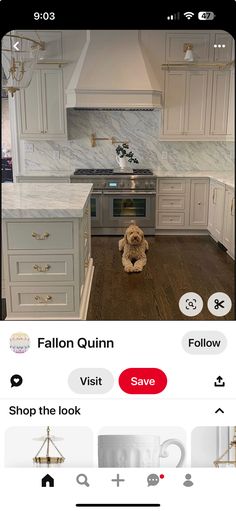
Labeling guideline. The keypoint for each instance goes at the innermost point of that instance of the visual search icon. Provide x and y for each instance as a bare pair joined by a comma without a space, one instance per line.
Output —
191,304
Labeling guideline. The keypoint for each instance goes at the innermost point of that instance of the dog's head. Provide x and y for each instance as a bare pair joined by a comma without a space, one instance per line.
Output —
134,235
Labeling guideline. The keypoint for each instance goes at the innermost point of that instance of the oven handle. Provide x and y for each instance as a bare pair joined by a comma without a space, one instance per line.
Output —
94,192
129,192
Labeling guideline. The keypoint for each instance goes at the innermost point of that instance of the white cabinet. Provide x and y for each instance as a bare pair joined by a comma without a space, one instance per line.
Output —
229,222
172,203
41,107
199,190
216,209
174,103
182,203
198,102
195,103
185,103
48,267
220,102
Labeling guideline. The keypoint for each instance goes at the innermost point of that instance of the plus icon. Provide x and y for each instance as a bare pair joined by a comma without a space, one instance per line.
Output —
118,480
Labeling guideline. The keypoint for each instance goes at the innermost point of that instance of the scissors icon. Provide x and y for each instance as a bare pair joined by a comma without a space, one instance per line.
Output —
218,304
82,479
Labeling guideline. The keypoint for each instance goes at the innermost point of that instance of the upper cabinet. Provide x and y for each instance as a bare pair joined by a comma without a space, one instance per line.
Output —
185,103
199,100
42,113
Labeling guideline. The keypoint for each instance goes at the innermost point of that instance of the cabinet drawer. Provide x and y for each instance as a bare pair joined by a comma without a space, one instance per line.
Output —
171,219
166,202
39,235
171,185
42,298
42,268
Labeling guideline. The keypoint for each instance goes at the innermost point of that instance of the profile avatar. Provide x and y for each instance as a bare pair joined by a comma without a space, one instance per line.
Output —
19,342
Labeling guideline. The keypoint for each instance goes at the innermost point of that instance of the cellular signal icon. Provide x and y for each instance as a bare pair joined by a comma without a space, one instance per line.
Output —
188,15
175,16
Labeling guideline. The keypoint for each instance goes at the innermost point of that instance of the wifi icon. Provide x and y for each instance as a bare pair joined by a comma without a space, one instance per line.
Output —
188,15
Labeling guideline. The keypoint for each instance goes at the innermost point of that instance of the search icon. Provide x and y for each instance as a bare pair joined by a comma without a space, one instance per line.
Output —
82,479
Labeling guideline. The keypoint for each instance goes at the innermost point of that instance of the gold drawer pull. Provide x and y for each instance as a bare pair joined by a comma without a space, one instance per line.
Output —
43,236
232,207
42,268
214,196
41,299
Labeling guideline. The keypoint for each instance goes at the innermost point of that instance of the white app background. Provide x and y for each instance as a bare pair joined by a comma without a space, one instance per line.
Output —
108,434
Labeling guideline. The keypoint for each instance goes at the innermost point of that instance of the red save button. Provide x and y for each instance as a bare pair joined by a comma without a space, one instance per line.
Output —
143,380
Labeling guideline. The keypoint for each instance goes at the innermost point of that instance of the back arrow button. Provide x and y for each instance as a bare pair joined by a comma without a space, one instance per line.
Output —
16,46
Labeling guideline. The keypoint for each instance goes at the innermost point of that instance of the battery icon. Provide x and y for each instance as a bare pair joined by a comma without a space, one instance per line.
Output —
206,15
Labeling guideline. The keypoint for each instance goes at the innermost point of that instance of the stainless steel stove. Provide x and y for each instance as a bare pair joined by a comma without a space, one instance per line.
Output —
120,197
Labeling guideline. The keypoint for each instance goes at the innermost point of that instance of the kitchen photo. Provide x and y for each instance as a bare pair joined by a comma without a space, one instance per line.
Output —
118,197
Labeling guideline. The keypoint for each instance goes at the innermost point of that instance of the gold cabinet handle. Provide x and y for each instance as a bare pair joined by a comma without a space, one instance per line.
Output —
39,268
43,236
41,299
214,196
232,207
85,235
86,210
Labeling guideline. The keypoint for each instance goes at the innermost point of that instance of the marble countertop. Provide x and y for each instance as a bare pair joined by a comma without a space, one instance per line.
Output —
42,200
225,177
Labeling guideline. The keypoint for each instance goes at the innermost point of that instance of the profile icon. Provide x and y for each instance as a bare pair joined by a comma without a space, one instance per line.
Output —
19,342
188,481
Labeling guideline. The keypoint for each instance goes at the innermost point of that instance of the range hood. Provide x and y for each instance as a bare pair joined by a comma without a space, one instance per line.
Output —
113,72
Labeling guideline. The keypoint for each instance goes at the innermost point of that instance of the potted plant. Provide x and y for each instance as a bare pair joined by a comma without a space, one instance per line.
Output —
124,155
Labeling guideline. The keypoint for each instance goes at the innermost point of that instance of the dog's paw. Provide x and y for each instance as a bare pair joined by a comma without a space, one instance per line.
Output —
129,269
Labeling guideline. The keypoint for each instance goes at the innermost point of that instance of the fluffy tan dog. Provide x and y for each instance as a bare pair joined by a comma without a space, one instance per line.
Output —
134,247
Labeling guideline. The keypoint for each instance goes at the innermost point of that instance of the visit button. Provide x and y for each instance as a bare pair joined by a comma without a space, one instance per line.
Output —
143,380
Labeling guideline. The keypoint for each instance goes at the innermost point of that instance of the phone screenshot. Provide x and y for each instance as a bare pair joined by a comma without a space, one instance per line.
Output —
118,384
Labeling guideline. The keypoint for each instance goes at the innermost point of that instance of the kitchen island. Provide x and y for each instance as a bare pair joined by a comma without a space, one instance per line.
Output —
47,260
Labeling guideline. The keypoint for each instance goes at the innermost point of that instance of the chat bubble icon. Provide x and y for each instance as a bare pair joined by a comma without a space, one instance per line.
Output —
16,380
152,480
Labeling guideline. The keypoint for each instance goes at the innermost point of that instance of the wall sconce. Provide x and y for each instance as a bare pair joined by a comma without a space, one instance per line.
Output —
188,47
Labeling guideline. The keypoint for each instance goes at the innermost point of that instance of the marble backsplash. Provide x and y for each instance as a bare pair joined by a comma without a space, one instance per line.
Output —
141,129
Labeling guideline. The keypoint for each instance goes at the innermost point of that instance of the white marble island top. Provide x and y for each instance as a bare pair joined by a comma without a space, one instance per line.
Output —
44,200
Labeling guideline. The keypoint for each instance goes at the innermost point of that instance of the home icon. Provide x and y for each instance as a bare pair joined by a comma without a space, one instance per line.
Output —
47,481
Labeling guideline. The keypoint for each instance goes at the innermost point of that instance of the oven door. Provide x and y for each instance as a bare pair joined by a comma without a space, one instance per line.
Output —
96,209
123,207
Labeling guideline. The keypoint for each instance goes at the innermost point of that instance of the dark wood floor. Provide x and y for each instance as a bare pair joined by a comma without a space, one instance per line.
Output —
176,265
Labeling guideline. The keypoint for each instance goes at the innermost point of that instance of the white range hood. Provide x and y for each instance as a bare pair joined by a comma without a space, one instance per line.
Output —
113,72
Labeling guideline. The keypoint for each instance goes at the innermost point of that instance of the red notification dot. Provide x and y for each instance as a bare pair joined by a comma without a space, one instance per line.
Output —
162,476
143,380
